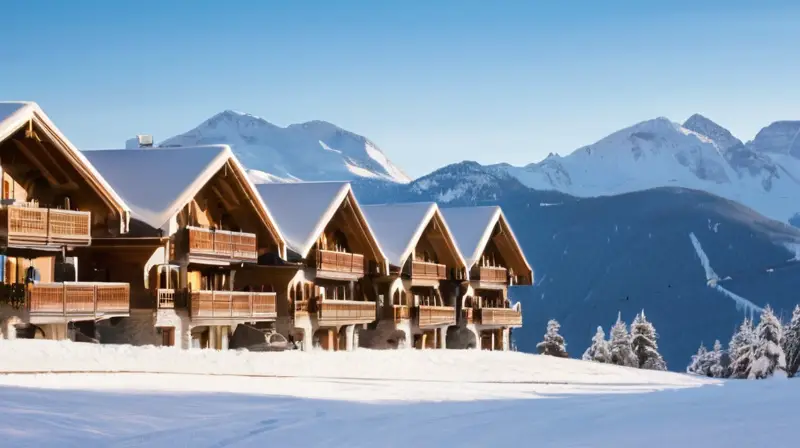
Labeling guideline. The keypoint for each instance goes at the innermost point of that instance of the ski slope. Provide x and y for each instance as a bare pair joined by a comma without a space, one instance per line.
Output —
368,398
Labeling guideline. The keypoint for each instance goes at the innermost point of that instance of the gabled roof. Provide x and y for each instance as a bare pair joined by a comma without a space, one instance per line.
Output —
302,210
472,227
400,226
16,114
158,183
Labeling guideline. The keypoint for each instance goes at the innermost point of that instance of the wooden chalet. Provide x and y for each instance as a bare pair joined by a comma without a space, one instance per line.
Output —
325,292
418,296
495,261
196,221
53,204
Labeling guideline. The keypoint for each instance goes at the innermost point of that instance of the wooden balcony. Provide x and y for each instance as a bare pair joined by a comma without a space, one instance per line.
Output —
489,274
24,226
422,270
431,316
50,302
340,262
227,305
506,317
216,245
343,311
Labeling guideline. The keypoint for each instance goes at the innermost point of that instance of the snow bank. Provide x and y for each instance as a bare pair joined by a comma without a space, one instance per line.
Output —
430,366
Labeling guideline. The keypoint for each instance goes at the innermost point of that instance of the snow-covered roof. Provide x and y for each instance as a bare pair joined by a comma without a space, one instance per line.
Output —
399,227
472,227
16,114
303,209
158,183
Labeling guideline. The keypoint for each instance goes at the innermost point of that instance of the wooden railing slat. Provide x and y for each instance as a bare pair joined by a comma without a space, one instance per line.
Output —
222,244
78,298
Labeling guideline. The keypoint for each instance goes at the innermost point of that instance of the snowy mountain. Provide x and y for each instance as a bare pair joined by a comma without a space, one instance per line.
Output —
316,150
763,174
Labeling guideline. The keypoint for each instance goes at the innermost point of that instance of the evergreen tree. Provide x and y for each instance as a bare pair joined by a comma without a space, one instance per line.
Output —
791,343
741,349
696,366
719,362
598,351
644,346
768,356
620,345
553,343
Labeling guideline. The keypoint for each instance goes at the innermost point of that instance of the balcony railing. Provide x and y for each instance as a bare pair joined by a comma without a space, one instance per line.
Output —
77,299
423,270
430,316
216,244
232,305
509,317
343,262
490,274
343,311
400,312
165,299
23,225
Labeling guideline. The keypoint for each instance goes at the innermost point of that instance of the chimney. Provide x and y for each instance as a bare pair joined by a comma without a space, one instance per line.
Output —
140,141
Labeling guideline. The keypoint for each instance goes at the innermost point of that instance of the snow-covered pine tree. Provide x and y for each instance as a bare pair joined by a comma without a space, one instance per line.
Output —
553,343
741,349
620,345
697,366
644,346
768,356
598,351
719,362
791,343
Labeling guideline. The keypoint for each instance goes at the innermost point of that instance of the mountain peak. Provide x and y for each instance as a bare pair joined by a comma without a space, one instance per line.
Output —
708,128
780,137
314,150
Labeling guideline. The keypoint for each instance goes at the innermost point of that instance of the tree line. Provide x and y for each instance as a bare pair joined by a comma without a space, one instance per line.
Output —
635,348
754,351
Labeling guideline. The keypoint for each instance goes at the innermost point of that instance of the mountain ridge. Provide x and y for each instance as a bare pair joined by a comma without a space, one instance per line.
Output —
312,150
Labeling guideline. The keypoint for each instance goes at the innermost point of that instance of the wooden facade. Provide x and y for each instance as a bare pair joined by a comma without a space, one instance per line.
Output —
485,306
182,268
52,204
418,295
325,292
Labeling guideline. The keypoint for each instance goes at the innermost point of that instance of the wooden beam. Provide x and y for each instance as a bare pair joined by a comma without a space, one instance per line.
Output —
35,161
47,153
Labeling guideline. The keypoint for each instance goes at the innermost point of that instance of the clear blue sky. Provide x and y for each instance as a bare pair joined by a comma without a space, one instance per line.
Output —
431,82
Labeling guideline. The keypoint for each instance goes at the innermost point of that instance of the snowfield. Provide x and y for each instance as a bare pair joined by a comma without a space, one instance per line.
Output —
166,397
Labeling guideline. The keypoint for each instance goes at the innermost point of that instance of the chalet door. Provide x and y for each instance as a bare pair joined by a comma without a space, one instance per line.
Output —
486,340
498,339
167,336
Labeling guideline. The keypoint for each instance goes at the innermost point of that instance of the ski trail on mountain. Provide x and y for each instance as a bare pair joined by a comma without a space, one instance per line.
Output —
712,280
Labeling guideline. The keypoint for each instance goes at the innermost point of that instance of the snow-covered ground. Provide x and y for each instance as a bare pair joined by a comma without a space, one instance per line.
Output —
369,398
